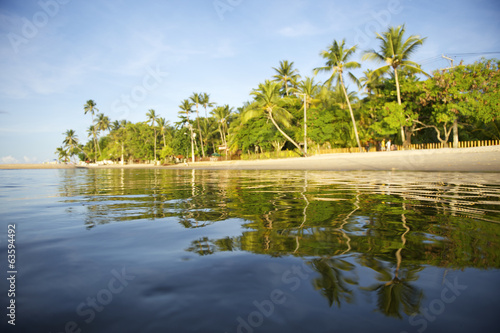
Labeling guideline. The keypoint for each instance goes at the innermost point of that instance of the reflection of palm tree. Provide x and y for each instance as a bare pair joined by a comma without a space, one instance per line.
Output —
396,292
332,283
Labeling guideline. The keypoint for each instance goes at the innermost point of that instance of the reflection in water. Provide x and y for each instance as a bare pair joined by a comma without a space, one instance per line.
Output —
390,222
208,248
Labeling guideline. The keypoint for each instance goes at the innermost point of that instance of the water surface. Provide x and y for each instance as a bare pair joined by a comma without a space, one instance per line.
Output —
139,250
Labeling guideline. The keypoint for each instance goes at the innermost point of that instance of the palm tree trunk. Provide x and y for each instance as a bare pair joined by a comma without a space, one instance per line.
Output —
455,132
352,114
403,139
199,131
154,152
285,135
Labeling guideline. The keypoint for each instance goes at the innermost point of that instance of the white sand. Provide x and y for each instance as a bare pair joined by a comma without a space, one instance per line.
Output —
481,159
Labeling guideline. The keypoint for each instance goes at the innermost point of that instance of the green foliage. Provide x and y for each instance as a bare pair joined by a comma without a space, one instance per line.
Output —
466,97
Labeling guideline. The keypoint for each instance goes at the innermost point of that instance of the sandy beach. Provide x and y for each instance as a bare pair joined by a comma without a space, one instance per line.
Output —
480,159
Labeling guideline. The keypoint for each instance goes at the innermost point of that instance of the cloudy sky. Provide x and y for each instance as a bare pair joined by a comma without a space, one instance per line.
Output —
131,56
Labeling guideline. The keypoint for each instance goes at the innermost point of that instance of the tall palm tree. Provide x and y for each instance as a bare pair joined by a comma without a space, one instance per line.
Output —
102,123
205,101
287,75
152,117
268,100
310,89
337,60
163,124
196,99
395,52
185,109
70,139
90,107
221,115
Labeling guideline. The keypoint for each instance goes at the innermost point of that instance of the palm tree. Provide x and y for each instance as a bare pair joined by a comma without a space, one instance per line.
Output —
90,107
152,117
71,139
337,60
116,125
395,52
196,99
102,123
71,142
91,133
205,101
286,75
186,108
221,115
267,100
62,154
310,89
372,83
163,124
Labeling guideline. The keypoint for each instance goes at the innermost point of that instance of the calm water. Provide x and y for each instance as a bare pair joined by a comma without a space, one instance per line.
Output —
252,251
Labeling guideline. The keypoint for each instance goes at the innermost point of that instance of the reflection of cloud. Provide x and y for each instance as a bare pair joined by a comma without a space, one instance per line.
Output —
9,160
3,112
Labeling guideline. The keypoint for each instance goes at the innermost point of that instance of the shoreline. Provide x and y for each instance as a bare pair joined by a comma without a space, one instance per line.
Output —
478,159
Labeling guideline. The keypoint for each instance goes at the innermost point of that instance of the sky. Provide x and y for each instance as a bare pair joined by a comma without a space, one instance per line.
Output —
132,56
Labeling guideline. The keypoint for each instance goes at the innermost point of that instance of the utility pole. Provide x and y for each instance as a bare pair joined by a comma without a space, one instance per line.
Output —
450,59
455,121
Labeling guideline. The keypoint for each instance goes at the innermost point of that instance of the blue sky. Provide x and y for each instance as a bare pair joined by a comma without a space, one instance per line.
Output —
132,56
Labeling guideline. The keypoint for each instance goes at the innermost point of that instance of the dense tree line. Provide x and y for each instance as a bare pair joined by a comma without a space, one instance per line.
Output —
396,101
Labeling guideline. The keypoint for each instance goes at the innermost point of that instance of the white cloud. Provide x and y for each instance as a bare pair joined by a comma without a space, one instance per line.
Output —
299,30
9,160
224,49
30,159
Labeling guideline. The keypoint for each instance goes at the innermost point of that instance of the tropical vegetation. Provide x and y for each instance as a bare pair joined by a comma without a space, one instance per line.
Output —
396,101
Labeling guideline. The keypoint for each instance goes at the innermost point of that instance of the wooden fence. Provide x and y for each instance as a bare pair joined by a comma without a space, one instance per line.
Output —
315,151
